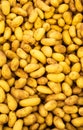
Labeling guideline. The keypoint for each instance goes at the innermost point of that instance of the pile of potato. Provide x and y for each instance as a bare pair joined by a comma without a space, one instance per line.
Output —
41,65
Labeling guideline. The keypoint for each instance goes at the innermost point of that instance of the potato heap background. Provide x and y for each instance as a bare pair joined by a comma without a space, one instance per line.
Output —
41,65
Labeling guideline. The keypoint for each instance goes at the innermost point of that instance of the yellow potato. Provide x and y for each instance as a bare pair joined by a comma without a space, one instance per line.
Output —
58,122
18,124
73,75
48,41
19,93
30,101
2,95
67,90
5,6
30,119
77,19
2,26
3,119
12,118
56,77
58,57
21,53
20,83
49,119
39,33
23,112
3,58
54,3
71,100
44,89
66,37
16,22
70,109
54,68
42,111
31,68
63,8
6,72
51,105
14,64
4,85
7,33
38,73
42,5
79,82
19,33
59,112
38,55
12,104
33,16
77,122
4,108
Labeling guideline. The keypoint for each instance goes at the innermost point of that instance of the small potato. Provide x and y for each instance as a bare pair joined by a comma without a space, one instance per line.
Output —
18,33
30,119
71,100
21,53
58,122
54,34
4,108
16,22
48,41
49,119
67,90
42,80
58,96
12,104
19,93
77,41
32,82
55,87
73,58
66,67
23,112
56,77
3,119
73,75
78,5
60,48
42,111
33,16
4,85
14,64
34,126
6,72
38,73
31,68
70,126
54,3
58,112
7,33
81,111
12,119
33,101
40,13
72,31
58,56
54,68
44,89
20,83
80,101
76,67
63,8
61,22
66,37
42,5
23,63
2,95
18,125
40,119
67,118
21,73
2,26
3,59
79,82
70,109
10,54
77,122
39,33
47,51
51,105
42,126
38,24
5,7
80,52
77,19
38,55
50,13
67,17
